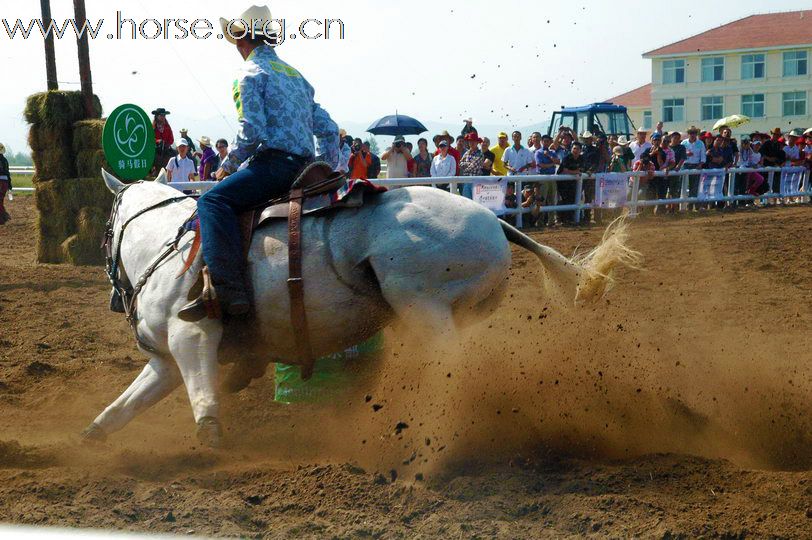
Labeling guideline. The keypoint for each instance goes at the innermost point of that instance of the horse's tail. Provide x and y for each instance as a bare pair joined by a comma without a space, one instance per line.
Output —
584,278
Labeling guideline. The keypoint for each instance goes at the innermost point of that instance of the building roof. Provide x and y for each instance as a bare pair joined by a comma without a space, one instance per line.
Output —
639,97
754,32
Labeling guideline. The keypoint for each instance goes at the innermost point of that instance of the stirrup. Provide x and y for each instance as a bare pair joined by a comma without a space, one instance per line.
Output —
205,305
194,311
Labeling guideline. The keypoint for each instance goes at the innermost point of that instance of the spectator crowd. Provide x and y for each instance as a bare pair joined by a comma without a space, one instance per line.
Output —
593,152
565,153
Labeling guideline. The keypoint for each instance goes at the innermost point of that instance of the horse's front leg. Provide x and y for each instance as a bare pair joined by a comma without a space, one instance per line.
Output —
157,380
194,347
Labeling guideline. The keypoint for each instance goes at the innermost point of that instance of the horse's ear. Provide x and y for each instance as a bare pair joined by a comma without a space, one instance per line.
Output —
161,179
113,183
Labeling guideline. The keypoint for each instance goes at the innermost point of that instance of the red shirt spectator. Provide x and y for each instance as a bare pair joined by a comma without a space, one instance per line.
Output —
359,165
163,132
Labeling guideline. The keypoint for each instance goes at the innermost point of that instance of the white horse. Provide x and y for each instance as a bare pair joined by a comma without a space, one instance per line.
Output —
431,259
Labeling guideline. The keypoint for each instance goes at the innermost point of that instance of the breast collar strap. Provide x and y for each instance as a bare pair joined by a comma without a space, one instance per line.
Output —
128,293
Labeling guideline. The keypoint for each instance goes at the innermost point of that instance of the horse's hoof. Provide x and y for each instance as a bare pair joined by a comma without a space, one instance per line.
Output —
93,433
208,432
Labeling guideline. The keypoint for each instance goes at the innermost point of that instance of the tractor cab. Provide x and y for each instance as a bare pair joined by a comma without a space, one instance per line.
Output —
606,118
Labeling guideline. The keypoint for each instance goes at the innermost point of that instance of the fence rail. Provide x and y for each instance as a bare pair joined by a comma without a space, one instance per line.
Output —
24,171
633,201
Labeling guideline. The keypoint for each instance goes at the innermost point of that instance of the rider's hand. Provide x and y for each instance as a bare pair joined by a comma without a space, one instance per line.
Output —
220,174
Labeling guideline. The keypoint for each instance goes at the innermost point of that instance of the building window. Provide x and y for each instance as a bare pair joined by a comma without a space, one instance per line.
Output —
753,105
713,107
713,69
648,120
673,71
753,66
795,63
673,110
794,103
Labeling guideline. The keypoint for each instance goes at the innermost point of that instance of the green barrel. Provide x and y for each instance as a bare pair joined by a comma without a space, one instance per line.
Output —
332,374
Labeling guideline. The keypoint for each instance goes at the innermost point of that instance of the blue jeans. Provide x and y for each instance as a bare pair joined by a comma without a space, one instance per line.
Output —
264,179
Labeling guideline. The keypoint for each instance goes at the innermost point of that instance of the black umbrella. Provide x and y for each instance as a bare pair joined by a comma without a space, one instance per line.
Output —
397,124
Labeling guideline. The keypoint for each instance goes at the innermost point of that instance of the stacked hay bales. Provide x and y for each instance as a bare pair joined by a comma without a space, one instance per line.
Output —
71,197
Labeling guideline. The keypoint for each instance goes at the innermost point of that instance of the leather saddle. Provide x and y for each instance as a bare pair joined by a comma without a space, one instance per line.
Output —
316,180
317,189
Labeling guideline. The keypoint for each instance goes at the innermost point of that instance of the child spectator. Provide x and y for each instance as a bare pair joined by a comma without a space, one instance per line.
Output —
750,159
535,201
511,203
647,190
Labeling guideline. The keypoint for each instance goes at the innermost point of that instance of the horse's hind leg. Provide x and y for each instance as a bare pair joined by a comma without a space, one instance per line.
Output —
195,351
158,379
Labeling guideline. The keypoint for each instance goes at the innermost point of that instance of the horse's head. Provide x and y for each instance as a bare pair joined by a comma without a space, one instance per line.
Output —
116,186
132,201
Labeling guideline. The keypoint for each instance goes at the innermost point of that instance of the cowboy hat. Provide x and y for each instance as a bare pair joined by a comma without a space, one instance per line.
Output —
587,135
641,129
204,141
796,133
473,136
808,131
399,138
258,16
160,110
444,135
623,141
184,130
776,131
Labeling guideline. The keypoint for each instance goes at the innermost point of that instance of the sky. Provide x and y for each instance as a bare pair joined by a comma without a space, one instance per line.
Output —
507,64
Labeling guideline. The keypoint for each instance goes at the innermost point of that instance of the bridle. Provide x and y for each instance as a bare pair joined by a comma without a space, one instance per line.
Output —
122,286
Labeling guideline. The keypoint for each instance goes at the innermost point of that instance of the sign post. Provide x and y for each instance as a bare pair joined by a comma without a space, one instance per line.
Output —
129,142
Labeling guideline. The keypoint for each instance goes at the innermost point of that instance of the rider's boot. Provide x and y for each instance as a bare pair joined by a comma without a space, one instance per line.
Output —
233,301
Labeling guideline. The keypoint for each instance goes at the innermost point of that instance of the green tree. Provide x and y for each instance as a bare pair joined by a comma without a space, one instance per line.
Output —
19,159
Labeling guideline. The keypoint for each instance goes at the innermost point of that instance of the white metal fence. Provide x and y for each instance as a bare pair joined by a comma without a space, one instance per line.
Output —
22,171
633,202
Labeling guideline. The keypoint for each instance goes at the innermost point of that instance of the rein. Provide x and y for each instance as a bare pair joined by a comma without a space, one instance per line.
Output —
129,294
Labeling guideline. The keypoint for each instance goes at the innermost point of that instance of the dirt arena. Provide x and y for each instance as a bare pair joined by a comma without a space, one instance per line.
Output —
678,408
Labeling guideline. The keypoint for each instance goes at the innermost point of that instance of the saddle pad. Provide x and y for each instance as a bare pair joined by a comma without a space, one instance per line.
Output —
350,195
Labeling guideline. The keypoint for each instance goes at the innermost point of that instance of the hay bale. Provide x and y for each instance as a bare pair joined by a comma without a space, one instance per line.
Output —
91,223
89,163
80,251
94,193
49,251
87,135
42,138
58,109
54,163
71,207
73,194
52,232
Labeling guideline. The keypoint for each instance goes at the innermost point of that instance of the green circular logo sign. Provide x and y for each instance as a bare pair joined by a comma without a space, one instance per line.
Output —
129,142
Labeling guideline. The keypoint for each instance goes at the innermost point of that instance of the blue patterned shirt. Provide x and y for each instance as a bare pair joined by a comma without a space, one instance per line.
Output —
276,109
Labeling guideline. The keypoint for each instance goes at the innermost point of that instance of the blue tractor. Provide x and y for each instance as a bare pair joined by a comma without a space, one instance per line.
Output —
606,118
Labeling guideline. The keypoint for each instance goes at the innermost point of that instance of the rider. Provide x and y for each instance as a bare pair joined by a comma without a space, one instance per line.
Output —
278,119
